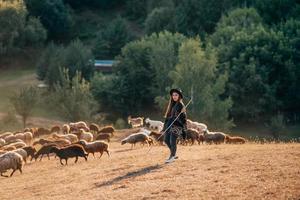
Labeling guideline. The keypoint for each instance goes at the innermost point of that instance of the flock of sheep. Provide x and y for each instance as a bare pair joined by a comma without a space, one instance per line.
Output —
77,139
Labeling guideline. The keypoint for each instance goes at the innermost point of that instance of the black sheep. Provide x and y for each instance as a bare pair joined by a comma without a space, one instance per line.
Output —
30,151
71,151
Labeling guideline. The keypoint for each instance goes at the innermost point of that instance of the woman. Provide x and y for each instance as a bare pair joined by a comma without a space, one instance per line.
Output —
175,108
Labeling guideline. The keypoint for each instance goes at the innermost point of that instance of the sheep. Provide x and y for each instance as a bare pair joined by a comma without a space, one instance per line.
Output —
66,129
15,144
71,151
10,160
94,128
200,139
79,125
200,127
44,150
59,142
3,135
135,138
10,138
55,129
235,140
154,124
87,136
71,137
96,146
8,148
104,136
30,151
192,135
157,136
22,153
32,130
26,137
136,122
2,142
214,137
42,131
107,129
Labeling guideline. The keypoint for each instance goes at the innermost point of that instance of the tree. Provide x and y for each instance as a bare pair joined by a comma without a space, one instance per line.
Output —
136,9
54,15
17,31
110,41
24,102
259,64
196,75
75,57
72,98
160,19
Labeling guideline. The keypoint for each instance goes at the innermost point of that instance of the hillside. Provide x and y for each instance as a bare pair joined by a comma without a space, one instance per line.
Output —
250,171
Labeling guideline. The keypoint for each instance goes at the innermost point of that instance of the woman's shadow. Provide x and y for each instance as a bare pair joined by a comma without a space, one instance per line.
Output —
129,175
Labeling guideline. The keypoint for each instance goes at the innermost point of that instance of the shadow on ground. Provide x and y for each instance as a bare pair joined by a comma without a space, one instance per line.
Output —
129,175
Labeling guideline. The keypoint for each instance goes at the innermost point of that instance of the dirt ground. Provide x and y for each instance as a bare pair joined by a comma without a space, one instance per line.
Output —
250,171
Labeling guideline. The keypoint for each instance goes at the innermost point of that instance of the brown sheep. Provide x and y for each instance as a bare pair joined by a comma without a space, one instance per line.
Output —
235,140
30,151
79,125
44,150
104,136
55,129
94,128
107,129
94,147
59,142
42,131
70,151
136,122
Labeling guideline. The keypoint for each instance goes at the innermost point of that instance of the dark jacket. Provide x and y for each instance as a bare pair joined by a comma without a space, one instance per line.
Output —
175,111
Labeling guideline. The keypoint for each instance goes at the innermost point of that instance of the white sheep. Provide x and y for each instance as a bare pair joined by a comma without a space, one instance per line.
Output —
10,138
5,134
22,153
15,144
135,138
200,127
71,137
154,124
79,125
10,160
2,142
87,136
27,137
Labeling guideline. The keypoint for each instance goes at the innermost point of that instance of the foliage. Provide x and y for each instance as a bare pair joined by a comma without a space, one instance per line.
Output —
75,57
54,15
160,19
136,9
120,123
258,61
18,32
72,99
24,102
110,41
196,75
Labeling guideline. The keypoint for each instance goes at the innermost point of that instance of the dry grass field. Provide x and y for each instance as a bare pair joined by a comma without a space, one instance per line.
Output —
250,171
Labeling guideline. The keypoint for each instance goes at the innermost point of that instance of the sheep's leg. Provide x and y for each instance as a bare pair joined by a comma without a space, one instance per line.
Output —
25,160
48,156
41,157
3,175
66,161
20,169
94,154
61,162
108,153
101,152
12,172
85,157
76,159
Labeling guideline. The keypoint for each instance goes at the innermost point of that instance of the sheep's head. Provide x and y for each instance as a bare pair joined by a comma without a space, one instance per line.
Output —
123,142
81,130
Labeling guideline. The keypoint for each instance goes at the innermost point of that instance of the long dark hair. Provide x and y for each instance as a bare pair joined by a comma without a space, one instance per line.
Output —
171,104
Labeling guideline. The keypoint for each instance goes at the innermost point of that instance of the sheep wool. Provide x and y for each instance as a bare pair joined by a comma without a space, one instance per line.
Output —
10,160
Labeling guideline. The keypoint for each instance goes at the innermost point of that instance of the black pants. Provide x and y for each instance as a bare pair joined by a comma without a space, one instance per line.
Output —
171,139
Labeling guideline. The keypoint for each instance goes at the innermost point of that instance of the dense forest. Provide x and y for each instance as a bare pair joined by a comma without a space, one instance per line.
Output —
238,59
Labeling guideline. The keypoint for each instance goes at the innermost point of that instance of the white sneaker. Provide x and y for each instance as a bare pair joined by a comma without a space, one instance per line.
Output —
172,159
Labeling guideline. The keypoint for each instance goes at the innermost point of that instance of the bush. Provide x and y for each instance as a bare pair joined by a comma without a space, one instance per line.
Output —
72,99
160,19
24,102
